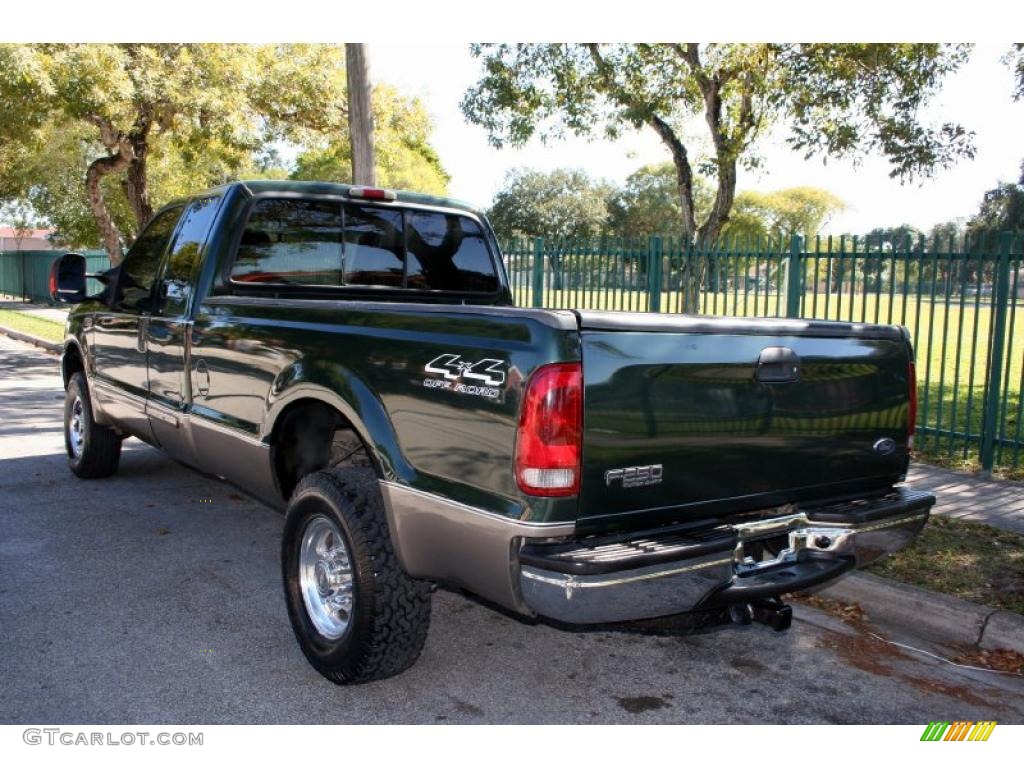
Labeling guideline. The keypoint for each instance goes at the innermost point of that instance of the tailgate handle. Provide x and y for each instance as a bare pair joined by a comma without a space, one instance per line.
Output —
777,365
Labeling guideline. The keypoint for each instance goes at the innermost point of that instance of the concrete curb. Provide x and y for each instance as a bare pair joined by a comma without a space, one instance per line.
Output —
49,346
930,615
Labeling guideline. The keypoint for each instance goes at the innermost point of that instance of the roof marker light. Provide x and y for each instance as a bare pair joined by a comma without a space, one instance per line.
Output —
372,193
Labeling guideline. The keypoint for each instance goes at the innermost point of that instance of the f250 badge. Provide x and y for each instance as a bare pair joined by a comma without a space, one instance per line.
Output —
634,477
481,378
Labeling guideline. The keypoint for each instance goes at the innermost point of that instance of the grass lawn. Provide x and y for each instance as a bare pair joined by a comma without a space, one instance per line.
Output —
37,326
968,560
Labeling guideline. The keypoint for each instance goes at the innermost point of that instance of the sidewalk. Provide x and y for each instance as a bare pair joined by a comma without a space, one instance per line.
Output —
999,503
42,311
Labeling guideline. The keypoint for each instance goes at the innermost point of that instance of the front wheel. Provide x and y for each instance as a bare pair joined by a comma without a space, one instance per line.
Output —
356,614
93,450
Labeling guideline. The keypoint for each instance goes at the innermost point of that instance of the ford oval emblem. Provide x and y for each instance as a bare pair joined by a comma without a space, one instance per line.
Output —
885,446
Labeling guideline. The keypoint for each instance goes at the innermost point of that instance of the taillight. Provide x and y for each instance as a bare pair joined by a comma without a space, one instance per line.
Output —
548,444
912,397
371,193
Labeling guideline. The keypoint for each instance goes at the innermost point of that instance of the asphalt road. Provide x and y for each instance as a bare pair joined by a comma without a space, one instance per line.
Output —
154,597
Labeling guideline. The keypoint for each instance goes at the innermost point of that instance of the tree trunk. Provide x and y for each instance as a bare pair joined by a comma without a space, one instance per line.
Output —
99,168
724,197
692,270
136,183
360,115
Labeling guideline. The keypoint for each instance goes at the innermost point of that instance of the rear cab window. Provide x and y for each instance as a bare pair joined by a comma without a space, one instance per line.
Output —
329,243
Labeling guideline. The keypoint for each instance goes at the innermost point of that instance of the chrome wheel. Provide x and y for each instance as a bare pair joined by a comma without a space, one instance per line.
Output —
76,428
325,577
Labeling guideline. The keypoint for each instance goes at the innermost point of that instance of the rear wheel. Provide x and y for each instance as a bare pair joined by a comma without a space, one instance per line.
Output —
93,450
356,614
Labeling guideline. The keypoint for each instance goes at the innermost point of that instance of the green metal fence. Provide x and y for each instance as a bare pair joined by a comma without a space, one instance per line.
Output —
25,274
960,300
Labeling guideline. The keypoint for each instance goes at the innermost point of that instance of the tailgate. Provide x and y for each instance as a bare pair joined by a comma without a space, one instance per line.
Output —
691,418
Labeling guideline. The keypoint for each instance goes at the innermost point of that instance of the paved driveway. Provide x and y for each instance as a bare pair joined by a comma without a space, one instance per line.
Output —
154,596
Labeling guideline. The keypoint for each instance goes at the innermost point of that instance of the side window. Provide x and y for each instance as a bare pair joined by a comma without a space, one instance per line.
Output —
140,266
291,241
448,252
374,251
185,254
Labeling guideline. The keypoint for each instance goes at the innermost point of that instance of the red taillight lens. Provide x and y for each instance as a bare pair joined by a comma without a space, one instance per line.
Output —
912,397
371,193
548,444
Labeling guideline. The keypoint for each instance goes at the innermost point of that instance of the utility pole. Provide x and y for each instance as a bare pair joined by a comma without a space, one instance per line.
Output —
360,115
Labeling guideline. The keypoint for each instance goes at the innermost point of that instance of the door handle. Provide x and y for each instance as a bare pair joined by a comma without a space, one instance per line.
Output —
777,365
140,341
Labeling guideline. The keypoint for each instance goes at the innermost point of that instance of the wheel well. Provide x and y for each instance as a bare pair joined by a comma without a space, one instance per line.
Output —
311,435
71,364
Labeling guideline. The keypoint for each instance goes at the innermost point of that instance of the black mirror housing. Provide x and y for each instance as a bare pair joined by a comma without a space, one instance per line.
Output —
67,279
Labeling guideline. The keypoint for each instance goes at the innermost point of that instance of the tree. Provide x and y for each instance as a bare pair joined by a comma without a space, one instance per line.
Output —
903,239
839,100
200,103
22,218
560,203
747,221
45,171
793,211
648,204
1001,210
1015,60
360,114
945,233
404,157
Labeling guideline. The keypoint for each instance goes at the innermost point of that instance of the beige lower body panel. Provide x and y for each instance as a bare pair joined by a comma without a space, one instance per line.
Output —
439,539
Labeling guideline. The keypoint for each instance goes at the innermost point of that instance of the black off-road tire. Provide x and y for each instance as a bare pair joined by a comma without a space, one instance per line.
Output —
390,611
99,447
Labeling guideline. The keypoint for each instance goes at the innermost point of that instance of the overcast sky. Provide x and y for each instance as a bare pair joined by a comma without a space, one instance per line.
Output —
979,96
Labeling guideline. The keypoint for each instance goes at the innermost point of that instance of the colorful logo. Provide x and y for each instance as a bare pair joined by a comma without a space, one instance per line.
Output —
961,730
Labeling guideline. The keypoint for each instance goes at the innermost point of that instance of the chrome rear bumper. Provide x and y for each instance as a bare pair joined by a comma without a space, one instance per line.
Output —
822,543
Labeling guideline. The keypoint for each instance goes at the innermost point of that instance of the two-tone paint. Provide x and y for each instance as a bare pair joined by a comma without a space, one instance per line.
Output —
739,417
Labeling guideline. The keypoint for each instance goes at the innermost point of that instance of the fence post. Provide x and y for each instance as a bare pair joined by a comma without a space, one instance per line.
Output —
1001,300
794,276
654,254
538,271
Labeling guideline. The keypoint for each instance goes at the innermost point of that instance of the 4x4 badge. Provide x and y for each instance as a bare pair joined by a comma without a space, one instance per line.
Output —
488,371
482,378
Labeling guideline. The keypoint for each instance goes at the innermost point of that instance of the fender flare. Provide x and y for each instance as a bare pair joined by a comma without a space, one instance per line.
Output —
367,416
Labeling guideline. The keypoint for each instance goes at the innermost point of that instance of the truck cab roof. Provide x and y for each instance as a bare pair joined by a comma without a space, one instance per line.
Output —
290,187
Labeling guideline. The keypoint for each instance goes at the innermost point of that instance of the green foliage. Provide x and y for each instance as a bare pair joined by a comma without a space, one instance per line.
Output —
45,172
193,113
649,202
797,210
1015,60
845,100
405,158
561,203
945,232
181,117
747,222
842,100
1001,210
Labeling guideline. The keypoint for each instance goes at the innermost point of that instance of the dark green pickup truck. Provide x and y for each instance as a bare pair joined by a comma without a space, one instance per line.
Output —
353,356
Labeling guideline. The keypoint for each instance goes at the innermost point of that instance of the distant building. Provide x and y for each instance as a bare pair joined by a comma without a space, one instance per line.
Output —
12,239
